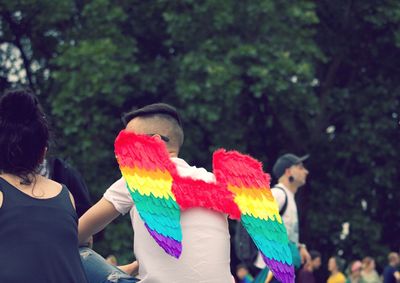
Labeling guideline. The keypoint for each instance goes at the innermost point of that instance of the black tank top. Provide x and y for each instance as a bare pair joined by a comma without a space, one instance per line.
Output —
38,238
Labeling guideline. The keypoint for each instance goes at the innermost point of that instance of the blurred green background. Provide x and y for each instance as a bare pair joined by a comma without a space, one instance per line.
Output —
263,77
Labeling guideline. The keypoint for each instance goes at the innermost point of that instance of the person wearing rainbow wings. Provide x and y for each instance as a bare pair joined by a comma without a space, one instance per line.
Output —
179,212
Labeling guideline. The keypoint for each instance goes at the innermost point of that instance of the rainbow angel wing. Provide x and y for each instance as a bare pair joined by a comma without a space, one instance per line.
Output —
160,193
148,171
245,178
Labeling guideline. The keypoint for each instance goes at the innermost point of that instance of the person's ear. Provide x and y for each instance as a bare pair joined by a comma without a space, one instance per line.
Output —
157,136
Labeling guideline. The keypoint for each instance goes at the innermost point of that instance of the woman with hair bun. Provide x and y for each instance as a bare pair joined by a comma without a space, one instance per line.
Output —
38,222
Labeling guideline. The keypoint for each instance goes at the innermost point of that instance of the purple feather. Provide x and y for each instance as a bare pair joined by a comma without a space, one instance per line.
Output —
283,272
169,245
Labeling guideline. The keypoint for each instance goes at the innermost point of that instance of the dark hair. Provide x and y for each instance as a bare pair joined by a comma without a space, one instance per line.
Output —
367,260
151,109
340,263
315,254
24,133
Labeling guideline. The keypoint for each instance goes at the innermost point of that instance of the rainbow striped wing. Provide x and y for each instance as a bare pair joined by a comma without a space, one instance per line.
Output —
147,169
244,176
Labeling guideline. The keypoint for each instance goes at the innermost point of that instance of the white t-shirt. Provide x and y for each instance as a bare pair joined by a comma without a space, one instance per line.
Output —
290,217
205,254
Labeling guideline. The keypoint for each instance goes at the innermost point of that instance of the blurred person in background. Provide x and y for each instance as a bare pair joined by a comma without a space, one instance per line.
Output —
243,274
354,272
306,273
335,267
369,273
389,273
291,174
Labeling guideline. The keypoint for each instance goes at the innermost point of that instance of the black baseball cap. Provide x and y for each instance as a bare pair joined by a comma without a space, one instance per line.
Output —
286,161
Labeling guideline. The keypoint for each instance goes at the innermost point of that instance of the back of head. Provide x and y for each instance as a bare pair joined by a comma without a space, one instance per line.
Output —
161,119
393,258
152,109
339,263
315,254
315,262
356,266
24,133
367,260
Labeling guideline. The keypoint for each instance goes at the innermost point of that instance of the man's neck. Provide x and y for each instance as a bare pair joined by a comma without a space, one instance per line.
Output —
290,186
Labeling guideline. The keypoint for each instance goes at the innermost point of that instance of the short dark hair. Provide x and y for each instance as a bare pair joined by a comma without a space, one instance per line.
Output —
152,109
340,263
315,254
24,133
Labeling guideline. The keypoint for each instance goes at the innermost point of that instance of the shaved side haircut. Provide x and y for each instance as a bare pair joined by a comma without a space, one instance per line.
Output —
159,118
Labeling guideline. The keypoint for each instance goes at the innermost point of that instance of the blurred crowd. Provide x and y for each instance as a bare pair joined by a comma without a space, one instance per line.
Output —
356,271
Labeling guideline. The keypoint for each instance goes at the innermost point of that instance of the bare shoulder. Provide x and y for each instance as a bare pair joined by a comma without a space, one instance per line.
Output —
53,188
48,182
49,186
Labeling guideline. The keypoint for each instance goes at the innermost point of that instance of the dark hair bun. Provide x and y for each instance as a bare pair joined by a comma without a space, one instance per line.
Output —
18,106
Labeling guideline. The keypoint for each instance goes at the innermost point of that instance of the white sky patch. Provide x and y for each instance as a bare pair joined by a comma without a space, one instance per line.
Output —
12,62
17,15
35,66
345,230
331,132
331,129
364,204
314,82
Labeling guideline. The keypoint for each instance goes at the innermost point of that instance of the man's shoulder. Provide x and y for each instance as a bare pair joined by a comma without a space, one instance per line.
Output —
338,277
278,191
118,187
196,173
389,269
341,276
280,187
120,183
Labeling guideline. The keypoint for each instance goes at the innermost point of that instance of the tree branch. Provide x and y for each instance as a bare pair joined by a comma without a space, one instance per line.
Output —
329,81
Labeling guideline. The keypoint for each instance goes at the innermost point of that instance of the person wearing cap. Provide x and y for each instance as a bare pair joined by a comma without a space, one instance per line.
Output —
206,241
291,174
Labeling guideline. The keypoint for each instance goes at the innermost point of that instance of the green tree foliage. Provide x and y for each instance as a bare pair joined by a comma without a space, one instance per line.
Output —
357,162
263,77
